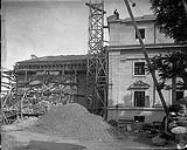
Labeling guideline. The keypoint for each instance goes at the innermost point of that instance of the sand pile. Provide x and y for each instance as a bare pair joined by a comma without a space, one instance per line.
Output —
73,120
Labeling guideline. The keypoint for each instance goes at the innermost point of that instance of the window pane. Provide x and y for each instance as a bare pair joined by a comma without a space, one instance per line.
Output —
142,33
179,95
139,98
139,68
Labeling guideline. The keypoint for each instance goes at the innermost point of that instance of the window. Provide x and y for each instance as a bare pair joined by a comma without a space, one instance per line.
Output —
179,95
142,33
139,99
139,118
139,68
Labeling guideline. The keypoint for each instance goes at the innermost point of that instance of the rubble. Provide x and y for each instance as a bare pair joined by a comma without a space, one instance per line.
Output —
159,141
20,124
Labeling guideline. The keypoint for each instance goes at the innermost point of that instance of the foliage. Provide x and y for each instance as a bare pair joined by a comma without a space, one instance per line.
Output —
172,21
171,18
171,65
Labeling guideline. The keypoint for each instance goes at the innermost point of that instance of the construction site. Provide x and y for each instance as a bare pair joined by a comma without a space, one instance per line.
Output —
103,100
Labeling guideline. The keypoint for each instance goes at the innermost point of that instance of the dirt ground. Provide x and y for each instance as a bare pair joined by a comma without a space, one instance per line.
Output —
26,140
19,136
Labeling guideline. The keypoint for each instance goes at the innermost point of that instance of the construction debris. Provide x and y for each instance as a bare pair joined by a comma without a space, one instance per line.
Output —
159,141
73,120
20,124
35,98
8,99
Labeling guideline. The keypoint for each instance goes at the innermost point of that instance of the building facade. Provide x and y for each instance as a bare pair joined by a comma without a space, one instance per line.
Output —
64,75
131,91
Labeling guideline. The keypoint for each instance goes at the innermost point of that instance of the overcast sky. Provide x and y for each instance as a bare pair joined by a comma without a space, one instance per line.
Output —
58,27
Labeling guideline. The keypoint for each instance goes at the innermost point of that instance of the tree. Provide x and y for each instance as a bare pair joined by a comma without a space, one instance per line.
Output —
171,66
171,18
172,21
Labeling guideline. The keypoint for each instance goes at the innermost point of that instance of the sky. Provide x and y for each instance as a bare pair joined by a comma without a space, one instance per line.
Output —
52,27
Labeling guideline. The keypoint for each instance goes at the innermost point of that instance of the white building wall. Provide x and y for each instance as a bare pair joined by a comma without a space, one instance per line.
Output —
124,34
121,77
113,87
121,60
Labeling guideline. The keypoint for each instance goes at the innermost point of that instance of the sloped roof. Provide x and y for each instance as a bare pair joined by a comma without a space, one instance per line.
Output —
139,85
55,58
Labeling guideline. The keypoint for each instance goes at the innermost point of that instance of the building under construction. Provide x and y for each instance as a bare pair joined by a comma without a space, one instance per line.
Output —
109,81
65,79
68,73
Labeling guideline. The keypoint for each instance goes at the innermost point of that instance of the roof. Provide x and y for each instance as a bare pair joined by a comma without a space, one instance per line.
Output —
137,19
56,58
141,18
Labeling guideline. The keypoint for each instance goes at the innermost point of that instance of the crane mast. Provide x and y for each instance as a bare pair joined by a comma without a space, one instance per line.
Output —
97,59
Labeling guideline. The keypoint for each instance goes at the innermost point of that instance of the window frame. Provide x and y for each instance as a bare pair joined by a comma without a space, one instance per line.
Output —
136,36
179,91
142,75
144,98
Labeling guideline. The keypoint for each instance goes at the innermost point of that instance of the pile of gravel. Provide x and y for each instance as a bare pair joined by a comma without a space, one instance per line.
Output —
73,120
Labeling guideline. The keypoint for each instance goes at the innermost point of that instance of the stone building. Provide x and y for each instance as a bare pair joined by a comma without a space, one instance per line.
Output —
131,91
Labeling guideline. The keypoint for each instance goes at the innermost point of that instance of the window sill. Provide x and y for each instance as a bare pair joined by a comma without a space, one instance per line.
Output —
157,106
137,40
139,75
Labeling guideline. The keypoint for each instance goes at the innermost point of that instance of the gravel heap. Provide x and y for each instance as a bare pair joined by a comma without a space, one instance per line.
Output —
73,120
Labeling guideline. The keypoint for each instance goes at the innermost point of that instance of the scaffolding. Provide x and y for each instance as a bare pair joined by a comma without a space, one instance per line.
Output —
97,59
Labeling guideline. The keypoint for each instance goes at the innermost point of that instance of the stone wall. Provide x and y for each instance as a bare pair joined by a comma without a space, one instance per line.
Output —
129,114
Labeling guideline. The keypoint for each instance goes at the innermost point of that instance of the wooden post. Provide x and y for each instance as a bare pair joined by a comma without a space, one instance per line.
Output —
21,105
154,94
76,81
147,58
174,84
173,90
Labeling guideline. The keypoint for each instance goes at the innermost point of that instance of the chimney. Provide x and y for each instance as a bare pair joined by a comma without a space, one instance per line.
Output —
33,56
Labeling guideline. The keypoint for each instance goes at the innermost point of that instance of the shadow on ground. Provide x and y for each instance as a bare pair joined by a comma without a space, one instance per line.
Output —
144,139
40,145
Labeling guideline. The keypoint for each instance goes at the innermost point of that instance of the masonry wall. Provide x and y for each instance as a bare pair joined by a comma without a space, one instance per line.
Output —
151,115
124,34
120,98
121,75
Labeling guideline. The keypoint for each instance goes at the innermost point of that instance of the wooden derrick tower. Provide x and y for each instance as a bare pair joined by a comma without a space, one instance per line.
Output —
97,59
